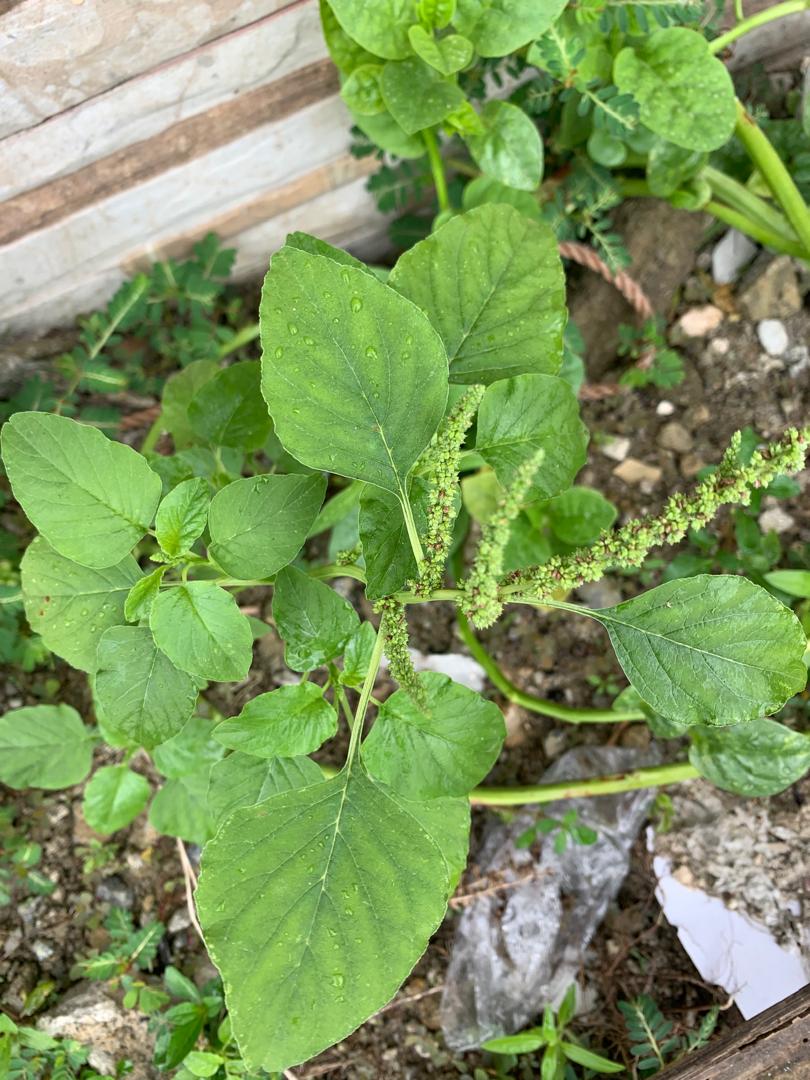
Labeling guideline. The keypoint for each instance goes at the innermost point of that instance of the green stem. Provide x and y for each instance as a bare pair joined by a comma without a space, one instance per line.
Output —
241,337
410,525
530,701
765,158
332,570
152,435
365,695
778,11
656,776
754,230
738,197
436,167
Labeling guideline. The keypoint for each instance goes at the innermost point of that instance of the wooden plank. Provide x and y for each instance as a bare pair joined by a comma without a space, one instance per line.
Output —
57,260
774,1044
55,55
149,104
180,144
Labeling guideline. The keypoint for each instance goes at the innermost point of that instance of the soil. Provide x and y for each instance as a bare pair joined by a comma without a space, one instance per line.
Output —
729,384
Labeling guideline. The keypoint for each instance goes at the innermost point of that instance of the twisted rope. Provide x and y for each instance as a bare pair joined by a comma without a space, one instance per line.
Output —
627,286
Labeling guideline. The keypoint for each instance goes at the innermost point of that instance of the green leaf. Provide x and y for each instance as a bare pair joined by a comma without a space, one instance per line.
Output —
332,932
414,112
357,655
580,514
244,780
708,649
447,822
519,416
228,410
381,27
140,597
387,551
286,722
500,27
757,759
483,190
684,93
191,750
354,375
143,695
313,620
182,515
44,746
389,136
492,284
178,392
259,524
91,498
361,90
669,165
71,605
447,55
444,747
793,582
589,1060
114,797
346,54
510,150
525,1042
201,630
180,808
202,1063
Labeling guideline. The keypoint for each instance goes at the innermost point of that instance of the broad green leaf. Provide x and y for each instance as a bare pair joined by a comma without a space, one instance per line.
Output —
492,284
44,746
71,605
302,241
357,655
483,190
228,409
354,375
793,582
500,27
447,55
181,809
447,822
114,797
181,516
414,112
178,392
200,628
191,750
313,620
260,523
510,149
331,932
361,90
143,695
481,493
444,747
709,649
202,1063
580,514
91,498
756,759
286,722
520,416
244,780
381,27
436,13
527,545
337,508
346,54
684,93
387,551
669,165
140,597
389,136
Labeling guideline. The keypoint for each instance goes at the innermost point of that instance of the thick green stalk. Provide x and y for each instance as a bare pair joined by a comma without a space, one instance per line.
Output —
436,168
530,701
765,158
152,435
241,337
739,198
778,11
656,776
753,229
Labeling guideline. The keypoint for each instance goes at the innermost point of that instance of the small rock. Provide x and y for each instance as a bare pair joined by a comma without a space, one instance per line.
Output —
460,668
599,594
691,464
633,471
720,345
180,921
776,520
674,436
616,448
731,255
770,290
42,950
798,360
515,732
773,336
700,414
553,744
114,890
664,408
700,321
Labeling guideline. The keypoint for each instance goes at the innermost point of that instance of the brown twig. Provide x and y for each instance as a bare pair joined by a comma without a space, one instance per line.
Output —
410,999
491,890
190,879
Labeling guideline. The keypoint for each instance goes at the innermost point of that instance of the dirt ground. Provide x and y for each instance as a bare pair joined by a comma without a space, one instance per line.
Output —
730,383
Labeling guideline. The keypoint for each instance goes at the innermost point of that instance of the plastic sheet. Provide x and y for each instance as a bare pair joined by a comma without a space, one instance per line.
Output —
519,948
